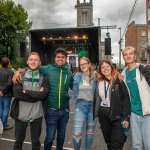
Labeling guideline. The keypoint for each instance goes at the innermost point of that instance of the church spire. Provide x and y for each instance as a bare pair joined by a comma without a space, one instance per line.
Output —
78,2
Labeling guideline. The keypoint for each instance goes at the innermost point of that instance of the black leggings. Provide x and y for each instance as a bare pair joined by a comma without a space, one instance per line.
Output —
112,130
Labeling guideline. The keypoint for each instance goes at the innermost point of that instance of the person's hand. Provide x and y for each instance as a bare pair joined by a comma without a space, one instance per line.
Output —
41,89
1,93
126,124
17,77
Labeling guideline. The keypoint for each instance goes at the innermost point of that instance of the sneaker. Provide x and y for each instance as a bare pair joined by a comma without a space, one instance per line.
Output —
1,128
8,127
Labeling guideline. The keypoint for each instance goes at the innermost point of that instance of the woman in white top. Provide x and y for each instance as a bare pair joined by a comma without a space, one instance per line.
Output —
112,105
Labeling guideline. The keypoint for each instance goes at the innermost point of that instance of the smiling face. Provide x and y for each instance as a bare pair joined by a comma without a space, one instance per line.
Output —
33,62
84,65
106,69
129,57
60,59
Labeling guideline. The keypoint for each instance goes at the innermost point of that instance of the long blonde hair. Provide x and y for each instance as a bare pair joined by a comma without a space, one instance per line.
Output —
114,73
91,70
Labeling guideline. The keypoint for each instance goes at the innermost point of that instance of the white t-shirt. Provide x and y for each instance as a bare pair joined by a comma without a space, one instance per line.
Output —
104,93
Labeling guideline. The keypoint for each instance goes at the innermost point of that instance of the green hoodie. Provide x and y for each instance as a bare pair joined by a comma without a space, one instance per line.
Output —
60,80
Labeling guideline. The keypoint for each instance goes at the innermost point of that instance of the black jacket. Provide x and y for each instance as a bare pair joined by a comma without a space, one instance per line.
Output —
119,101
6,81
29,96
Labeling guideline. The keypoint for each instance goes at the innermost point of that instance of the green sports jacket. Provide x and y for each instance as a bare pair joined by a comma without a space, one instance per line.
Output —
60,80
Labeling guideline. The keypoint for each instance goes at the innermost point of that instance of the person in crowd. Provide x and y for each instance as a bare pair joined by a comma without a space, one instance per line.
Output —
82,93
5,91
112,105
27,107
60,80
137,77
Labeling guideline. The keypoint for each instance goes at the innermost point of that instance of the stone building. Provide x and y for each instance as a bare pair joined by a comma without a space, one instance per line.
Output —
84,13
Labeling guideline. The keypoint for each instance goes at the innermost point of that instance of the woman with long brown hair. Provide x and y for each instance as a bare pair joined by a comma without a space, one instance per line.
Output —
112,105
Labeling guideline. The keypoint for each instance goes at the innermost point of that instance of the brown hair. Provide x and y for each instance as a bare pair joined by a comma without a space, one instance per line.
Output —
91,71
114,72
5,62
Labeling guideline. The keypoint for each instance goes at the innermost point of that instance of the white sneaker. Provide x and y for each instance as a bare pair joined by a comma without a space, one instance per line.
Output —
1,128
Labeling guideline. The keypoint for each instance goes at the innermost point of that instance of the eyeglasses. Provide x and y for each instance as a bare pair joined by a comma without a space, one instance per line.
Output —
81,65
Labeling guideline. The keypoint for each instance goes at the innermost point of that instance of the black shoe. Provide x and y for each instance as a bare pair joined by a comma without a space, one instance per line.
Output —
8,127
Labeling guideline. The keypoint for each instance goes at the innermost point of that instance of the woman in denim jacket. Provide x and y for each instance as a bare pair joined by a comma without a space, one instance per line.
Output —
82,94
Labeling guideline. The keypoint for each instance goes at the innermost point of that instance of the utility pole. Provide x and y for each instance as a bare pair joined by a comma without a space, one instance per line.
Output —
120,48
107,34
99,21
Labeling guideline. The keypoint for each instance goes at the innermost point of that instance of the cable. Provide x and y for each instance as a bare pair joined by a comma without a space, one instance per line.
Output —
131,14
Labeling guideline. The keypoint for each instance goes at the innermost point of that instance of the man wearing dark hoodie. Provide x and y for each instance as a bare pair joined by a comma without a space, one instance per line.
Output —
27,107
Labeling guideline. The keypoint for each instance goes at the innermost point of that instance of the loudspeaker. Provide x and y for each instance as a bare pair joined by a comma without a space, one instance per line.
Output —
107,46
22,49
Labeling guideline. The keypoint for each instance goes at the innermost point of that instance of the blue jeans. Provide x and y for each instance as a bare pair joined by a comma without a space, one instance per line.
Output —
140,130
83,116
4,108
56,120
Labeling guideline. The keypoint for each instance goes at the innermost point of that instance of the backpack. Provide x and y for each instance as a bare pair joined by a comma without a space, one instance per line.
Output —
145,72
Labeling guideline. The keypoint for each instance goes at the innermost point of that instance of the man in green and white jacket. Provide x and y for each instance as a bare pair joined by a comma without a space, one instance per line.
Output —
27,107
137,81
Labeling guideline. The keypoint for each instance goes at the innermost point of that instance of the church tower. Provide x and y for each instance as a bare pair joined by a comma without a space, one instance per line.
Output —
84,13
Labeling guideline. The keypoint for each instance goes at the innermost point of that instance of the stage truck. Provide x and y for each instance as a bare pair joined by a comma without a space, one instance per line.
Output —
74,40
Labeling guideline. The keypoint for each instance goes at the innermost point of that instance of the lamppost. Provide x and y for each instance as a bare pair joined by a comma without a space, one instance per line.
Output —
120,44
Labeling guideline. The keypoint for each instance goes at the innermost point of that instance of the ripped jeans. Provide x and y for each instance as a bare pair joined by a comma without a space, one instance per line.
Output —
83,117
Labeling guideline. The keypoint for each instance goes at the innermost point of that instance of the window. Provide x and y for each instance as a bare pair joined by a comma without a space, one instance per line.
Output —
148,13
143,33
84,17
143,44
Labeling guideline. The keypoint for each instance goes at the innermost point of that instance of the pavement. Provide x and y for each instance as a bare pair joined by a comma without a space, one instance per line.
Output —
7,140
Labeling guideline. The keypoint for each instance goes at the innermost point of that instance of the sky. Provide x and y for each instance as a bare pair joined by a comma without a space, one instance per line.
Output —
62,13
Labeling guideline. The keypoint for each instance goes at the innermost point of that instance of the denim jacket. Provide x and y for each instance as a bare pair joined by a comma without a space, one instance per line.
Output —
76,83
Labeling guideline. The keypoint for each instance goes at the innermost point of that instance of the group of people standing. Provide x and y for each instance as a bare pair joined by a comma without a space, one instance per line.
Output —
119,101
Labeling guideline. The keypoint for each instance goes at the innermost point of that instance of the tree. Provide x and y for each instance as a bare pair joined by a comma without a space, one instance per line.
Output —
13,18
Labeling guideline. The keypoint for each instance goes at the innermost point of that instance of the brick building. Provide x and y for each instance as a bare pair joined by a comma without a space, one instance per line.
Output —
136,36
148,29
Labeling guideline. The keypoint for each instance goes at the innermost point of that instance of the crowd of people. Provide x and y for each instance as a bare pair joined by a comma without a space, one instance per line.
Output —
120,101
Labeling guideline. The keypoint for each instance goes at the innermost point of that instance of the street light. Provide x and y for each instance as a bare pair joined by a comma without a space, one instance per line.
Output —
120,44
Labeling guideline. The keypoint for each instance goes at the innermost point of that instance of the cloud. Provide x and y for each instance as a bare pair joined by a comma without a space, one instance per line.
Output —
62,13
49,13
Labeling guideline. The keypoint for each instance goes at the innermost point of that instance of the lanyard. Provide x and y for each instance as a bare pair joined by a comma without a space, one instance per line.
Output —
106,89
32,78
